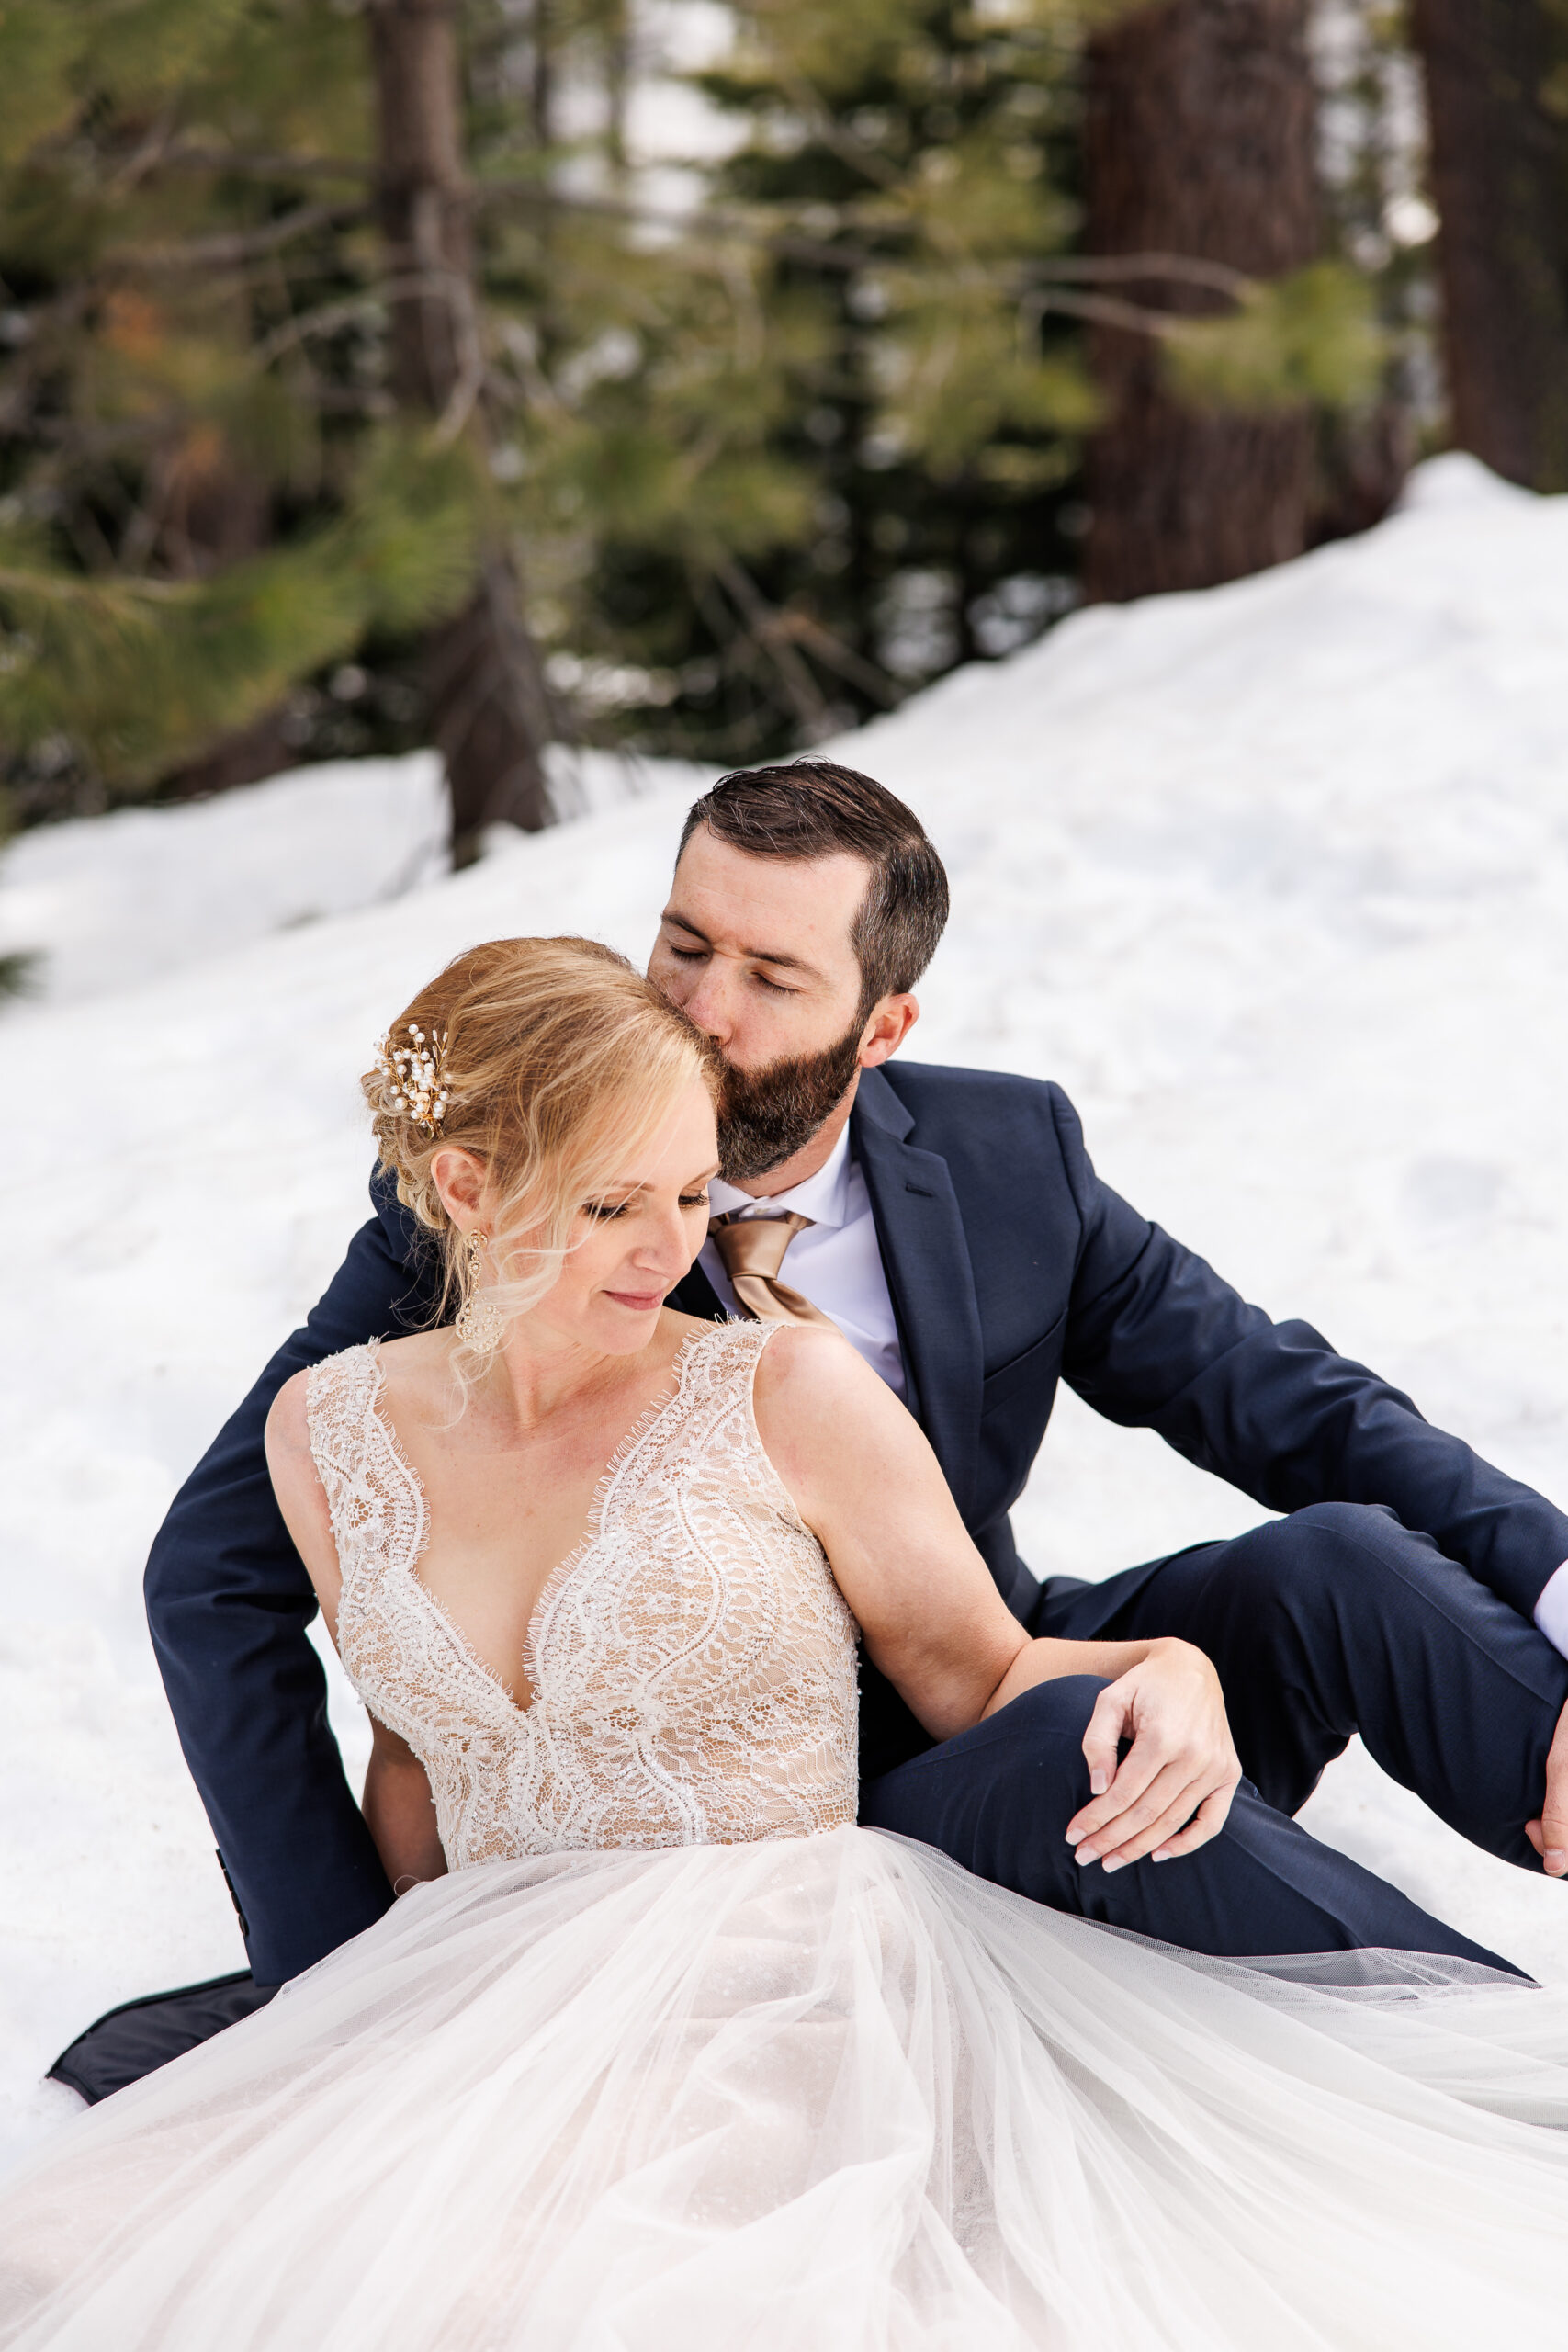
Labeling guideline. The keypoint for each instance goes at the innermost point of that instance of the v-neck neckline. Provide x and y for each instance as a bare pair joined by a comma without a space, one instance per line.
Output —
643,1427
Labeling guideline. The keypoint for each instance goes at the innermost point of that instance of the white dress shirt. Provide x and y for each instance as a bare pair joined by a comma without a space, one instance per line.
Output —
835,1262
1551,1610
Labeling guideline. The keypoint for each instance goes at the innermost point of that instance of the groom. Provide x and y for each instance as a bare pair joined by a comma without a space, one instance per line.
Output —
949,1222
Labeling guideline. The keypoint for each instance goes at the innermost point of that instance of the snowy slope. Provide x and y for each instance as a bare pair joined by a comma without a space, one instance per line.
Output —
1274,878
107,901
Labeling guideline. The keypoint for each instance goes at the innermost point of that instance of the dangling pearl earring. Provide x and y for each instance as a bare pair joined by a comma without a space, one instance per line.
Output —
478,1328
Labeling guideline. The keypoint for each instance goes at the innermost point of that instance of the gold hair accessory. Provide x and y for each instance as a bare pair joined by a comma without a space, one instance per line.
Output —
478,1328
415,1079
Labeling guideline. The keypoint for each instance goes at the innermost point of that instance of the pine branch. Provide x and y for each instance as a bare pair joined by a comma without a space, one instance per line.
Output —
142,674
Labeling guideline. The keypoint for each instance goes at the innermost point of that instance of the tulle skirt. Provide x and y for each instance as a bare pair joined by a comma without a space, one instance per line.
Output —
821,2095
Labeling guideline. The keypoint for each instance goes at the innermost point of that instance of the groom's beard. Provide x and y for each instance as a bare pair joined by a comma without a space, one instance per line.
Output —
765,1117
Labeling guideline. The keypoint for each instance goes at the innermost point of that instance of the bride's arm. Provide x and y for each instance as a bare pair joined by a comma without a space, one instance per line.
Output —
868,1485
399,1809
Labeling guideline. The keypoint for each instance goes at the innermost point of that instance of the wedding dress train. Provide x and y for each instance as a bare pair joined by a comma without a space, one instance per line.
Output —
679,2060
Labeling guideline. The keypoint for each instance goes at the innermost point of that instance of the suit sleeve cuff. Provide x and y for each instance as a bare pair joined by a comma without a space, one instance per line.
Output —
1551,1610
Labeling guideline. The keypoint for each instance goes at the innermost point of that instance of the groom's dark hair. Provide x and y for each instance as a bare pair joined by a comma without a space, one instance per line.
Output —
815,807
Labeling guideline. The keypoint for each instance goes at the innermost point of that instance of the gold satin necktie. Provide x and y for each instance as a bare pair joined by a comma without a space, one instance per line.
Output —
753,1250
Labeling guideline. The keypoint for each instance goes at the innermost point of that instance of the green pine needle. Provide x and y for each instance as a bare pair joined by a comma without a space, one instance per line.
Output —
1311,337
141,675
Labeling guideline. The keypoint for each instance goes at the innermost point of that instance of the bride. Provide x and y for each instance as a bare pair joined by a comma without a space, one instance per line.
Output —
658,2052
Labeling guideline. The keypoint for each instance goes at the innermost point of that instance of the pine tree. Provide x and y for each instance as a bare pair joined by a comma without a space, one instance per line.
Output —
772,463
137,674
200,505
918,287
1199,146
893,215
1498,91
633,377
488,708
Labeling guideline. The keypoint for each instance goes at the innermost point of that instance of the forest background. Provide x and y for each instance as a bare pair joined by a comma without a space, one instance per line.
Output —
498,374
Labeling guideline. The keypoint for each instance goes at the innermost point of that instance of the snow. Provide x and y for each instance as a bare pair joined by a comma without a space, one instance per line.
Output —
1273,879
108,901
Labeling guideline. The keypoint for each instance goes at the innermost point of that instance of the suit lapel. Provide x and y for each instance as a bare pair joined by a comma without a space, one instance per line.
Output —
926,1259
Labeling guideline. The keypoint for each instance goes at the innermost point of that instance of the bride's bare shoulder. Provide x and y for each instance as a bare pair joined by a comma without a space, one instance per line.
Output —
410,1366
287,1425
808,1375
827,1424
297,1483
417,1370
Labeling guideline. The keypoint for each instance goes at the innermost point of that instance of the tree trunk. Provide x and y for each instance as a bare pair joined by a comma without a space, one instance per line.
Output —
489,706
1497,93
1199,142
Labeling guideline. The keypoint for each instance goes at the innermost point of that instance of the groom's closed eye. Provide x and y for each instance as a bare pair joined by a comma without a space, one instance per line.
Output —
697,955
700,951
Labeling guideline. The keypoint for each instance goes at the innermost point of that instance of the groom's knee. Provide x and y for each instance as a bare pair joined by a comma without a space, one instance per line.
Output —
1327,1565
1034,1746
1000,1796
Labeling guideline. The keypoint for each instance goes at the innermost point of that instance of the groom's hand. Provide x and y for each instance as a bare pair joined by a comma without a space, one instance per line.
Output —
1170,1793
1549,1836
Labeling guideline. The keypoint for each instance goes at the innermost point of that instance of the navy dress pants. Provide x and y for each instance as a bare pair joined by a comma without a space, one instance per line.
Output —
1334,1620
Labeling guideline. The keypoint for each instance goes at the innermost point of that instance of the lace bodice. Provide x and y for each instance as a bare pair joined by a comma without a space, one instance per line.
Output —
693,1661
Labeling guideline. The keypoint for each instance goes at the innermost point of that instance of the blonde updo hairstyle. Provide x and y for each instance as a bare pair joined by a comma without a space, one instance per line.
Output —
558,1063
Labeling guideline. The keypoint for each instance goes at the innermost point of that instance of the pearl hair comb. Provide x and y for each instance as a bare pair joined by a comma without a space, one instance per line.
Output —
416,1084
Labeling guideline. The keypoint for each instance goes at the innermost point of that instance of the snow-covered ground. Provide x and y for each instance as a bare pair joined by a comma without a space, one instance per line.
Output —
1273,879
103,904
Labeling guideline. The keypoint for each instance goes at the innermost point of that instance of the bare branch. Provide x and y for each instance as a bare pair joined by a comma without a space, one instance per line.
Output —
1181,269
1109,310
762,624
187,156
241,245
1108,269
328,317
835,654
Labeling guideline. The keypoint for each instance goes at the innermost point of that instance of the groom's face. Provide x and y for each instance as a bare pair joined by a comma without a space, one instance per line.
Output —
758,951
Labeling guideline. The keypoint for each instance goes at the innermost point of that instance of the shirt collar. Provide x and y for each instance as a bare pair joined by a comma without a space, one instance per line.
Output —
824,1198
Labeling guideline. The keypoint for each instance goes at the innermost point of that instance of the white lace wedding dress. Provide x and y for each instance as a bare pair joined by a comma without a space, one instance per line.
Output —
679,2060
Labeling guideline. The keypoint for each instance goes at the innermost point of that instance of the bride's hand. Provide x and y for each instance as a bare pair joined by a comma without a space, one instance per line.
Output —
1171,1791
1549,1832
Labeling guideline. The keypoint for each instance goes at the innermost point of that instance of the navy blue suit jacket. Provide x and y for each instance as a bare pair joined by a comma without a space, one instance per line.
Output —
1011,1266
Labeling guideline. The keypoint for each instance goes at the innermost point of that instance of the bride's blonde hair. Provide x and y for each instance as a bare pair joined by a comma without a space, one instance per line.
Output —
553,1062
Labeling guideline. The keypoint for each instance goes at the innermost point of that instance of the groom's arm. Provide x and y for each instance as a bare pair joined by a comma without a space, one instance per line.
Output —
1155,1340
227,1603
